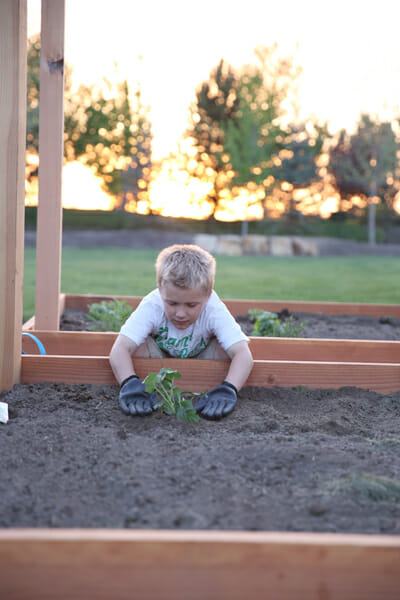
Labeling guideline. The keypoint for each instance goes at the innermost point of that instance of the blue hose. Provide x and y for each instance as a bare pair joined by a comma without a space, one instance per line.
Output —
36,340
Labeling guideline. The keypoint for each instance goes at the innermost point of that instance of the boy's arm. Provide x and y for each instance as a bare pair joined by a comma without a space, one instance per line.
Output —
241,364
221,400
121,358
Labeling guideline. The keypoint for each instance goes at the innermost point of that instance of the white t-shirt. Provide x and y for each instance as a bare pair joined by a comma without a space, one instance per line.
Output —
215,320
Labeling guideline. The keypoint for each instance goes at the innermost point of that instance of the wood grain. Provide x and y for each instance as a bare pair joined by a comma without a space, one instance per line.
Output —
195,565
95,343
13,50
51,151
240,307
201,375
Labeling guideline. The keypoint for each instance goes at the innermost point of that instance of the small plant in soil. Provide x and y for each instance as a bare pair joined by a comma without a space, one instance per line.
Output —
372,487
268,324
173,401
108,315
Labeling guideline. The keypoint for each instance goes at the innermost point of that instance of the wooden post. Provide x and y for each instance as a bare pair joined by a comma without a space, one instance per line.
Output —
13,32
51,146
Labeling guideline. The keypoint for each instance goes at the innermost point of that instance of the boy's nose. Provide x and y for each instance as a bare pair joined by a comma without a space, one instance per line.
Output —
180,311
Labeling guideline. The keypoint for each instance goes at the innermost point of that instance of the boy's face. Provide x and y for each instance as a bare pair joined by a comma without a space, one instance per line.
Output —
182,306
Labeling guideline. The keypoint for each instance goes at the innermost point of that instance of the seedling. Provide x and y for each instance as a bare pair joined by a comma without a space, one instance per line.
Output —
173,401
375,488
108,315
268,324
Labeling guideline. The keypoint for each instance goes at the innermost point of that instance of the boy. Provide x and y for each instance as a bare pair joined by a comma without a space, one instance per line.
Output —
182,318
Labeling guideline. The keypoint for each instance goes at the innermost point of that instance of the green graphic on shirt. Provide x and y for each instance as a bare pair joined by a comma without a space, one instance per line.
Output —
161,337
171,344
198,348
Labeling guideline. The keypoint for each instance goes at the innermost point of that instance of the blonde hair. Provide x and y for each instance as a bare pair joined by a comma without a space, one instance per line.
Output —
186,266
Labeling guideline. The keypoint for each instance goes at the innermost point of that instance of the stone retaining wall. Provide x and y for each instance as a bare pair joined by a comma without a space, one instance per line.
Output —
274,245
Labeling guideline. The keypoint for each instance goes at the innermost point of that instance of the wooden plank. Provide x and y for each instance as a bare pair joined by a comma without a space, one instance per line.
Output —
29,325
325,350
78,343
241,307
99,344
82,301
51,151
197,565
200,375
61,303
13,50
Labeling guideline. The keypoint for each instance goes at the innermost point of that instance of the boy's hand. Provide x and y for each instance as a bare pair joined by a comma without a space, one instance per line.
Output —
218,402
133,398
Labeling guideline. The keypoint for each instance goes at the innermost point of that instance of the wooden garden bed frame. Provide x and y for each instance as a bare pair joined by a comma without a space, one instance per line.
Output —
79,357
193,565
49,563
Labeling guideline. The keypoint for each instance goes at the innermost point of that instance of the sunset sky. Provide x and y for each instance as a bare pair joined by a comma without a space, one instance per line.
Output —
349,52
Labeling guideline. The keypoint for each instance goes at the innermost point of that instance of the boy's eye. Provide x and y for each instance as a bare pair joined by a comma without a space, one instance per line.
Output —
192,304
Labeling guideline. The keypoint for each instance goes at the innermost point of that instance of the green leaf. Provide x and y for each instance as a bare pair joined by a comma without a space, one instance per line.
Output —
180,413
186,403
109,316
172,400
151,382
191,416
168,375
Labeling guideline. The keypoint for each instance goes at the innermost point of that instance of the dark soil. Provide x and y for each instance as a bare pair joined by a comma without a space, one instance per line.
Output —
285,459
351,327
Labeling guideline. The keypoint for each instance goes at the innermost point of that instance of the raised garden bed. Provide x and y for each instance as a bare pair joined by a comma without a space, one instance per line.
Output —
302,464
79,357
98,564
296,492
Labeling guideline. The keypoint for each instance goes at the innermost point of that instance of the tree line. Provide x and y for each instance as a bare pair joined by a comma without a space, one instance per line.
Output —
244,131
103,127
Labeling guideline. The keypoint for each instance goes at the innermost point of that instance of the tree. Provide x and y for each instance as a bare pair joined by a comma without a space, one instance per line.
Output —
100,127
101,132
254,137
297,164
216,102
366,163
136,177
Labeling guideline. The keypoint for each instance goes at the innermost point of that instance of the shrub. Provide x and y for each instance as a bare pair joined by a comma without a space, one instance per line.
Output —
108,315
374,487
268,324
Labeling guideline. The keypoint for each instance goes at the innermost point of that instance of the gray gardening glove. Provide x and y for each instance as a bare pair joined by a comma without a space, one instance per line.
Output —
218,402
133,398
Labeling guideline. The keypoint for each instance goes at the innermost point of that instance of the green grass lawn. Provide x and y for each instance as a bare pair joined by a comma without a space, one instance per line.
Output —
121,271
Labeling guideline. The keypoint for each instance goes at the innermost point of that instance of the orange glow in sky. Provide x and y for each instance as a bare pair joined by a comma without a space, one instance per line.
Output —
81,189
350,58
175,194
